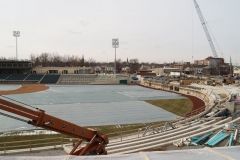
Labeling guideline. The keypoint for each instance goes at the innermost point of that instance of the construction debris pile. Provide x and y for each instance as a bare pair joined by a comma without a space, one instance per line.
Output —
210,139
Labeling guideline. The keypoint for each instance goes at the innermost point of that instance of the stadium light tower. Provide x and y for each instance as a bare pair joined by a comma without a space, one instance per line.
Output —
115,44
16,34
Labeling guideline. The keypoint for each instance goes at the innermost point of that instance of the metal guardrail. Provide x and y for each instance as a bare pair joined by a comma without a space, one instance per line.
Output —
30,144
122,134
194,112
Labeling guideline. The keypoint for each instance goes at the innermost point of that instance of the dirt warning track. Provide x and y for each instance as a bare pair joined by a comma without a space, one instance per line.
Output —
26,88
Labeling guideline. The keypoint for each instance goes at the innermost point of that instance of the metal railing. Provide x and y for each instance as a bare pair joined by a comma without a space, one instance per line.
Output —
136,133
30,144
194,112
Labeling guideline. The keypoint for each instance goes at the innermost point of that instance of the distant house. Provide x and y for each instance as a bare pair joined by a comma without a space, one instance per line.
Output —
182,66
145,71
126,69
236,71
165,71
109,70
212,66
189,70
97,69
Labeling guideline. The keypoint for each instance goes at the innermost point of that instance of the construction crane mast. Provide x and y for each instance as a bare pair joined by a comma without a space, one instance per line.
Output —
205,29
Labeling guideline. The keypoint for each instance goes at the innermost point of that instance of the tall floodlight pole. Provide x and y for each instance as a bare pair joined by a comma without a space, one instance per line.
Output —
115,44
16,34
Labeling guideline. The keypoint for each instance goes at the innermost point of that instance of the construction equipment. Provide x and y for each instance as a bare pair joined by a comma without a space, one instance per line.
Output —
228,80
205,29
96,140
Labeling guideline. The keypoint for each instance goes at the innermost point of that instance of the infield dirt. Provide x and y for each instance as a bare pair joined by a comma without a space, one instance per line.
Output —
26,88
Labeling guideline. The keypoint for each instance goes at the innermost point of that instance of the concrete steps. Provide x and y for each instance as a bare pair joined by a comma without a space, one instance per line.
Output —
165,138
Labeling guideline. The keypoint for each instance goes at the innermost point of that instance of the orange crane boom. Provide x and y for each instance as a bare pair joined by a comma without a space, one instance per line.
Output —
96,140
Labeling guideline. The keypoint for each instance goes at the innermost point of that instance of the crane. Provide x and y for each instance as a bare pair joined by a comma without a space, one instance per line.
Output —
204,25
96,140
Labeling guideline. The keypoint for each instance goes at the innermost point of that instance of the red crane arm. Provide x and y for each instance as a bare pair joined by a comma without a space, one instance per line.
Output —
96,140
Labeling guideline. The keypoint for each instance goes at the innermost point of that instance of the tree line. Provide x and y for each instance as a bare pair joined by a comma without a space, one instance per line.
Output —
54,59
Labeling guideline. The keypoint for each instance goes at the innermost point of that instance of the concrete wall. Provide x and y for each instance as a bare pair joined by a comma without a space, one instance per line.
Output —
233,106
230,106
162,71
61,70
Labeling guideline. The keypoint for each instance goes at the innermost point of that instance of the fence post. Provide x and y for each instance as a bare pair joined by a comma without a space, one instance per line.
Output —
54,143
62,141
30,145
4,148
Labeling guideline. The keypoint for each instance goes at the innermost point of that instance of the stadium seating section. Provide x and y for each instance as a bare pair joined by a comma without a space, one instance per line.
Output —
61,78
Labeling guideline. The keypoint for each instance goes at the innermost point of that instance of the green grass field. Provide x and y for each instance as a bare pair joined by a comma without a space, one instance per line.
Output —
176,106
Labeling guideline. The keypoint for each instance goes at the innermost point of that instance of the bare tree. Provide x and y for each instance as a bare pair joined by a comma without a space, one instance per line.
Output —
33,57
3,58
91,62
55,59
37,62
44,59
81,63
134,65
118,65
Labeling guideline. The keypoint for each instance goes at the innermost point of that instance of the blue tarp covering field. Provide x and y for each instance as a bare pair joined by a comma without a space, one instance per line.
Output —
94,105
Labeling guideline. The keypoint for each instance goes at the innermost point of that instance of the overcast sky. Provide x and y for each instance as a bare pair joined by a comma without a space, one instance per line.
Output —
150,30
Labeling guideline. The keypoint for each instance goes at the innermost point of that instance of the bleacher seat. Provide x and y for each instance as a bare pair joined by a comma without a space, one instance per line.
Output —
77,79
17,77
34,77
50,78
4,76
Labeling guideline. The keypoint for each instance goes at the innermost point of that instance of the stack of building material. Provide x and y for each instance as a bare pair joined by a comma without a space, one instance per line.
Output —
202,139
216,138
